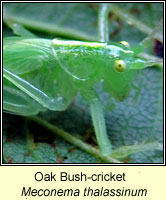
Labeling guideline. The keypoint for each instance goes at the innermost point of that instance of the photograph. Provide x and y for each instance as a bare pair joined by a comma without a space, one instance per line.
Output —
83,83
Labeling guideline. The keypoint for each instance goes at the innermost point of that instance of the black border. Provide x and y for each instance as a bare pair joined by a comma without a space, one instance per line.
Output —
84,164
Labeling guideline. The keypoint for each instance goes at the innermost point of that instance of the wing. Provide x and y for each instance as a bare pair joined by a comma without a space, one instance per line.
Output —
30,66
21,55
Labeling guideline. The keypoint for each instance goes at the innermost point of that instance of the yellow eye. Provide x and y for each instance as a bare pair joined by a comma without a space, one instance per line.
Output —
120,65
124,43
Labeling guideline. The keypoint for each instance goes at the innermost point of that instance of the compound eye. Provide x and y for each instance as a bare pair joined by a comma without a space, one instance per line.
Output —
120,65
125,44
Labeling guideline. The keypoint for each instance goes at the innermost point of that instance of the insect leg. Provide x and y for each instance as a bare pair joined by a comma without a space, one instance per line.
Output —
30,89
103,23
17,102
19,109
99,126
145,43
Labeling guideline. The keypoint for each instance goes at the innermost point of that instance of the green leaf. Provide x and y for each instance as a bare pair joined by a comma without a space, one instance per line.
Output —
19,146
55,18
